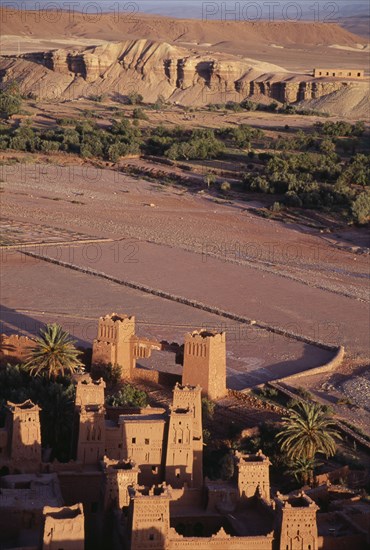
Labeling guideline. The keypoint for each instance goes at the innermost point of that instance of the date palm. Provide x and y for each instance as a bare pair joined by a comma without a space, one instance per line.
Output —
54,353
308,430
302,469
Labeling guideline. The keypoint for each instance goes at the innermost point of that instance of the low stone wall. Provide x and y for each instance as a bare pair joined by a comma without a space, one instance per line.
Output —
334,363
14,348
220,541
155,377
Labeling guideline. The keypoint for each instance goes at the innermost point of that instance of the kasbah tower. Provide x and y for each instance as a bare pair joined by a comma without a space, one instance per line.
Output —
205,362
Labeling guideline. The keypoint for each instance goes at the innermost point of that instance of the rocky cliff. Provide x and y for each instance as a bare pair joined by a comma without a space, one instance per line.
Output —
154,68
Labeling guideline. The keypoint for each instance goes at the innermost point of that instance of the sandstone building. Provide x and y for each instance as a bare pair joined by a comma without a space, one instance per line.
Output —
136,481
204,361
20,440
353,74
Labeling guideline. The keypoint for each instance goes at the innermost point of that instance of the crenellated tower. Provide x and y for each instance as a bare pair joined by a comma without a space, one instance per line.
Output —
205,362
150,517
114,344
24,435
64,528
179,457
119,476
189,397
296,522
91,434
253,475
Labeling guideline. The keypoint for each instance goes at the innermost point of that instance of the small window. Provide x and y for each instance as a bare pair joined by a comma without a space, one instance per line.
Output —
146,441
358,74
151,536
133,440
180,441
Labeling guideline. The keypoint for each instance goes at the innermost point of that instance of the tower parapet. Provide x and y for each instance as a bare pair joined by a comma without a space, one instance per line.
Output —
114,343
24,435
297,521
179,459
120,475
64,528
253,475
189,397
90,392
150,517
205,362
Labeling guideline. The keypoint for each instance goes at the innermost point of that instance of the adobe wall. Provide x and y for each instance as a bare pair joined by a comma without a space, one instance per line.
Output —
15,348
253,475
155,377
353,74
205,362
220,541
185,497
23,437
331,366
333,476
82,487
64,528
141,439
90,392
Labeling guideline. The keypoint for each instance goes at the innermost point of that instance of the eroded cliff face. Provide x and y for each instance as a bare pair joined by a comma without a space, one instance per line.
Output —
155,68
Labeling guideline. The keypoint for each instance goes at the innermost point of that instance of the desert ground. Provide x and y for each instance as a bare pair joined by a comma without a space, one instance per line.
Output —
305,276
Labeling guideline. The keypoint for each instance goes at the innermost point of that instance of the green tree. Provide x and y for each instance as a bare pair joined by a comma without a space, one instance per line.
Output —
128,396
10,102
139,114
302,469
54,353
307,430
361,208
134,98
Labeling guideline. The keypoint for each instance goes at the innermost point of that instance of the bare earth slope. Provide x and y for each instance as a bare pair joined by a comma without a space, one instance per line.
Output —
113,27
187,61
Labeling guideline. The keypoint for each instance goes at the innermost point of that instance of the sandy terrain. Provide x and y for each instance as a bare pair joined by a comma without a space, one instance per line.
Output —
35,292
219,254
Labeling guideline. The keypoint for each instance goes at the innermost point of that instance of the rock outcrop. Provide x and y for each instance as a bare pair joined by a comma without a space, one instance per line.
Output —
154,68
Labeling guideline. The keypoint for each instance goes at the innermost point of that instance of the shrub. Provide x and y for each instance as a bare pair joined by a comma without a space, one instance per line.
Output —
276,207
225,186
361,208
140,114
134,98
128,396
49,146
10,102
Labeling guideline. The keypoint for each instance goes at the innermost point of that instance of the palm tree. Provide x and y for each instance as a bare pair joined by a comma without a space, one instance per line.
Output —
302,469
54,353
306,431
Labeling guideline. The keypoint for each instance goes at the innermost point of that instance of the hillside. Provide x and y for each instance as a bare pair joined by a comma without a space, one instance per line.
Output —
239,34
